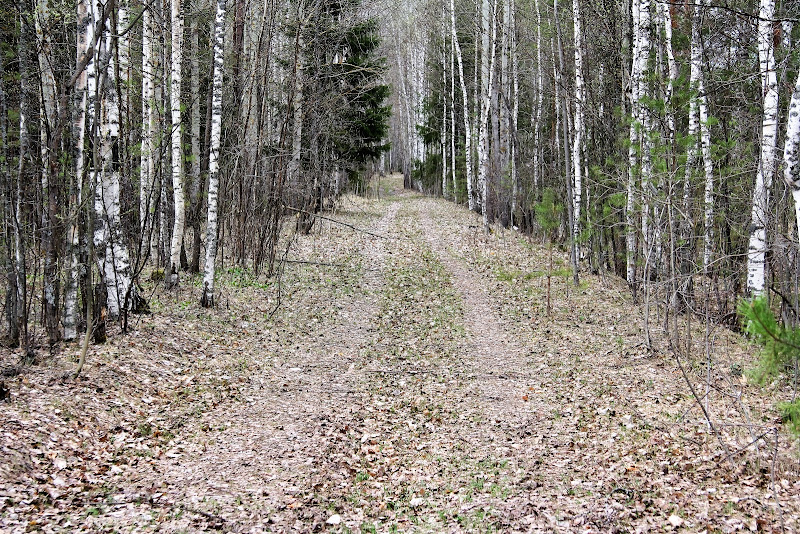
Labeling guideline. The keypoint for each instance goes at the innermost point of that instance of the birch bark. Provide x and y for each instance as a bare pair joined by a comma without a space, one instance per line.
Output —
443,130
757,248
148,120
70,320
196,200
108,240
514,109
213,162
641,46
488,54
18,306
467,128
453,119
578,125
177,155
790,151
537,120
48,118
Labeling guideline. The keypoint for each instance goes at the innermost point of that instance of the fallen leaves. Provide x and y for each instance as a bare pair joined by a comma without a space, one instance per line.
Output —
366,402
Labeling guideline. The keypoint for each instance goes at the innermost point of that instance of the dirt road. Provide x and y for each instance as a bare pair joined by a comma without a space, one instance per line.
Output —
412,382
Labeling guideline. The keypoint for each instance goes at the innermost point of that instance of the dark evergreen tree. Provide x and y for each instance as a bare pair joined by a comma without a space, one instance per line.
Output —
346,119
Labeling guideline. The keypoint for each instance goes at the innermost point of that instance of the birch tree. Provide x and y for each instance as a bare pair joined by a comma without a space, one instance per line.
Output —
48,119
213,162
757,247
790,151
197,181
85,29
488,54
18,293
177,155
514,107
452,101
109,243
578,123
537,117
705,140
464,96
147,160
641,50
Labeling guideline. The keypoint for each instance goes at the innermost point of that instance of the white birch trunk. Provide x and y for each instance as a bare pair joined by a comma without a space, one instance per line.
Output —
148,119
708,168
162,97
487,79
757,248
453,118
537,127
790,151
213,163
48,117
177,153
195,92
467,128
502,109
648,191
577,141
443,130
695,83
109,244
84,30
514,109
665,20
641,46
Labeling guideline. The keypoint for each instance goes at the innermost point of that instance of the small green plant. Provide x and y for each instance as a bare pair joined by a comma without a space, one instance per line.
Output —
790,414
780,354
548,215
781,343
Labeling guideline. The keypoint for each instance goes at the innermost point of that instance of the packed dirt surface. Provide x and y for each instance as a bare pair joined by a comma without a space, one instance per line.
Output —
411,380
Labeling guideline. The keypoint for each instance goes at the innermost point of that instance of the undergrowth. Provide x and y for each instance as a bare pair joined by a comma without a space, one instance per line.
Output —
779,356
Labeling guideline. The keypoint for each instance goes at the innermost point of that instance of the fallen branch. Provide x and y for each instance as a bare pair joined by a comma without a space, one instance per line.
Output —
317,215
699,400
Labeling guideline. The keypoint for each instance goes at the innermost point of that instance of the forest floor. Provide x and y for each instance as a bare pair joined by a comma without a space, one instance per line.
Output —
411,380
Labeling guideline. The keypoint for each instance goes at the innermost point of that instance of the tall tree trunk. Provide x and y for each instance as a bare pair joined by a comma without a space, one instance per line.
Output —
488,54
213,163
790,151
467,127
514,110
196,200
19,305
8,218
452,101
443,129
705,146
85,24
641,49
502,89
297,105
109,243
48,122
757,248
177,152
562,100
537,117
578,127
146,164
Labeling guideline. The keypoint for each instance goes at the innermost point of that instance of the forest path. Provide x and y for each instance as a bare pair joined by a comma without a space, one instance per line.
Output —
411,381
